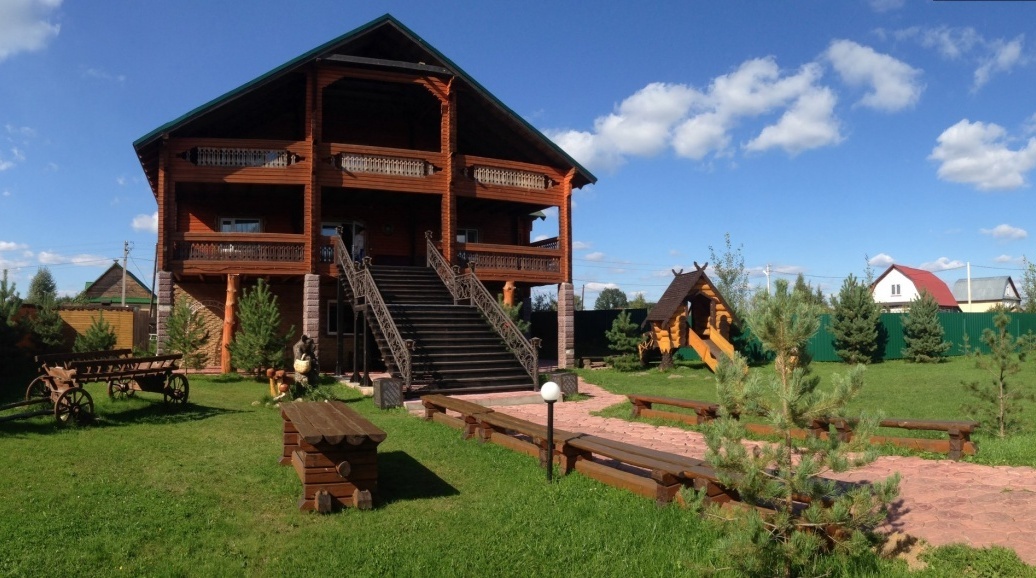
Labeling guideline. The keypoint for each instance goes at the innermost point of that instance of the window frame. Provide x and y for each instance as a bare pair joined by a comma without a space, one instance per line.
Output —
331,315
234,220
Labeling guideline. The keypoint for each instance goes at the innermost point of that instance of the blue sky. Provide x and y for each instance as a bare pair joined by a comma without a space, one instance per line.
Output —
815,133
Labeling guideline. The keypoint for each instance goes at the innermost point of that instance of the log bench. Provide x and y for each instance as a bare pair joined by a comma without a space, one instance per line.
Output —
667,473
958,432
704,411
334,451
436,405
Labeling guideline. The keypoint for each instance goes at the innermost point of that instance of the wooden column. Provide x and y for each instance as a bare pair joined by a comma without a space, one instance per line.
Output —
565,227
509,293
449,149
311,205
164,232
229,320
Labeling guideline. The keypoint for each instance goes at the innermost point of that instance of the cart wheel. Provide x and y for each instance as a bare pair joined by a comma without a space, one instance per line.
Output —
38,389
74,405
176,390
118,390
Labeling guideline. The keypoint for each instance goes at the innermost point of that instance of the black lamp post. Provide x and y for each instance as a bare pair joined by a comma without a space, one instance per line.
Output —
550,392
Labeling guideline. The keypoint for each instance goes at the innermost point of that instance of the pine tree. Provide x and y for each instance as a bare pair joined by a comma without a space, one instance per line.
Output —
996,403
855,322
186,335
258,343
514,313
42,287
780,476
1029,286
100,336
922,331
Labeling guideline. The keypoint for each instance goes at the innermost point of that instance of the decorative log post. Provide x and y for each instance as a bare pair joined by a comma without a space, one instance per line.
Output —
229,319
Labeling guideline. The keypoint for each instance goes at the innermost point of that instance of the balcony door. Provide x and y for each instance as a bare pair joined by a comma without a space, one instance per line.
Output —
353,235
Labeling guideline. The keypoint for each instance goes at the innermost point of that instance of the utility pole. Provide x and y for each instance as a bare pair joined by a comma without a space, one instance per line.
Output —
125,256
767,273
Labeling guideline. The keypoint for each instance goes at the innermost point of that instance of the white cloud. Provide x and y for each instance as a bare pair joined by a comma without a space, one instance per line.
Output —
1006,232
5,164
893,84
695,124
101,74
596,287
809,124
535,239
6,193
82,260
1004,57
121,181
11,246
977,154
992,56
595,256
1007,259
941,264
148,223
579,245
881,260
25,25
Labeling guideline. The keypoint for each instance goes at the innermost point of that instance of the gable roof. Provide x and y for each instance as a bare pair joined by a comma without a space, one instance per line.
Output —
923,281
1000,288
677,293
107,288
424,56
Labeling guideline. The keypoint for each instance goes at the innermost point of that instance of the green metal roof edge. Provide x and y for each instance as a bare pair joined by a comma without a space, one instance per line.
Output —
387,18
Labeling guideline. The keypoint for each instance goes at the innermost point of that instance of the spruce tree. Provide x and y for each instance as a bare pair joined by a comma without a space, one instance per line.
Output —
623,339
855,322
11,331
42,287
922,331
47,325
259,343
788,526
996,403
100,336
186,334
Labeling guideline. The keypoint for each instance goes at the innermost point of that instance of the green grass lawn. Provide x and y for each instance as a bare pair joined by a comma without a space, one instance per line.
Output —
894,388
200,493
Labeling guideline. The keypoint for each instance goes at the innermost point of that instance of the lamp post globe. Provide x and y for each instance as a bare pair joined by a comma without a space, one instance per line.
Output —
550,392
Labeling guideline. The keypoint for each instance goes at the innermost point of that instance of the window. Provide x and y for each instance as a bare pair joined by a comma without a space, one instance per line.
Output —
895,290
332,318
467,235
239,225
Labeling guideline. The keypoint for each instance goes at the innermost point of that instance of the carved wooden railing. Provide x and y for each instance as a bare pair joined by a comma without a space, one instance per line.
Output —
535,259
238,247
362,284
468,287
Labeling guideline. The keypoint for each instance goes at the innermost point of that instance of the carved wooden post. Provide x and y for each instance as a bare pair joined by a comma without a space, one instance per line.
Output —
229,319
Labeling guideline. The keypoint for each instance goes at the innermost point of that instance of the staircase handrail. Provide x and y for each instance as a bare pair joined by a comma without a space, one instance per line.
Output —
363,287
468,286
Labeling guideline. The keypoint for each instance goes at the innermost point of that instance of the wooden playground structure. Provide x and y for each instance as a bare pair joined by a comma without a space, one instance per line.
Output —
691,313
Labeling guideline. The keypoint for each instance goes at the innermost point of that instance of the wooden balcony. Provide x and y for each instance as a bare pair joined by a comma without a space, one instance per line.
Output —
239,161
243,253
533,264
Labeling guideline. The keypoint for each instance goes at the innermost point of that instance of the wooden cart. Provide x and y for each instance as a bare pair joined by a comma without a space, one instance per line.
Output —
60,384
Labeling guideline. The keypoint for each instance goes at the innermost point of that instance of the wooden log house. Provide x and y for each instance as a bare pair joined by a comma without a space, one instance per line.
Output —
374,131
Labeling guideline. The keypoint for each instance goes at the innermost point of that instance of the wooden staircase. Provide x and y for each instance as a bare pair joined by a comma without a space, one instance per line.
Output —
454,349
710,348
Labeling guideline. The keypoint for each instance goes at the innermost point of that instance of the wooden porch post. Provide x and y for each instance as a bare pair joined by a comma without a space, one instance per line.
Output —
509,293
229,319
565,227
449,149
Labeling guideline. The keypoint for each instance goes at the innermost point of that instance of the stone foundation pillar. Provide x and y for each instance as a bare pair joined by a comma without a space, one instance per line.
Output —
566,326
164,294
311,310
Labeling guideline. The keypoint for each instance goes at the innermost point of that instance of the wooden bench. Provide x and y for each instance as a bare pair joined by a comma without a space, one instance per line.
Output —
704,411
436,405
666,473
334,451
959,432
521,435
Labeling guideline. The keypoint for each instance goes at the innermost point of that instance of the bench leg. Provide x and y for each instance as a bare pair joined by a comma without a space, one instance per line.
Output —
638,406
957,440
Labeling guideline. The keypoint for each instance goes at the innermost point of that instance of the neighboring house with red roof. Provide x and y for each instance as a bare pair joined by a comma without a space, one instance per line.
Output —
899,285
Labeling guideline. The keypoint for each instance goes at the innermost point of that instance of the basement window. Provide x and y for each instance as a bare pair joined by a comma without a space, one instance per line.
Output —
332,318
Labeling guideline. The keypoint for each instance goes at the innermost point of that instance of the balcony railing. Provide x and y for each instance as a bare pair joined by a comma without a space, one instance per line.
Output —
383,165
277,248
510,178
510,257
239,157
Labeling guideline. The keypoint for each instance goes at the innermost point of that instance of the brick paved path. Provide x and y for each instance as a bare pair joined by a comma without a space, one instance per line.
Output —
941,501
